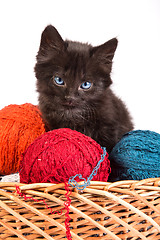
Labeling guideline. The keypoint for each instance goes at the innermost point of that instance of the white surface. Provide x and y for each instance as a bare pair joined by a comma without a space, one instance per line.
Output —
10,178
136,69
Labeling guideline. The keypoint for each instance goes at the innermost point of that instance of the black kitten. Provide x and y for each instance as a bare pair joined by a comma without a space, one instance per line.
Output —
73,81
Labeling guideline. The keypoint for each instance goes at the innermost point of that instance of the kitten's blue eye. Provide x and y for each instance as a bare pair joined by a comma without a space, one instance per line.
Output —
58,81
86,85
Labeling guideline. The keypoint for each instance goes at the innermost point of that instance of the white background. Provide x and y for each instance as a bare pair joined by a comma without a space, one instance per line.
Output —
136,69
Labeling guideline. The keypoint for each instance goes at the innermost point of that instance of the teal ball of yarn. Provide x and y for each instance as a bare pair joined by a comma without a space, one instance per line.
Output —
136,156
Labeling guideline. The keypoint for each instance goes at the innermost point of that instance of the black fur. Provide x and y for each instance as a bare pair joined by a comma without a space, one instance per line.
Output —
96,112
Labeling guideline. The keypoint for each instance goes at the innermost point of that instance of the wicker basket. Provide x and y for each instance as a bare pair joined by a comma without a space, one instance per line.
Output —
120,210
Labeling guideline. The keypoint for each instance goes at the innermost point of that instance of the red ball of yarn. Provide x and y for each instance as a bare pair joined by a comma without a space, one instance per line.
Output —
60,154
20,125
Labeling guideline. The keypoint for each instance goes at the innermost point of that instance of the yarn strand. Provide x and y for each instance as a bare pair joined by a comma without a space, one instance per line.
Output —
66,204
18,191
73,183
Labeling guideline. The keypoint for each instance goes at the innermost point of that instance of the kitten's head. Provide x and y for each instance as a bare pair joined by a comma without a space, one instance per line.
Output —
71,75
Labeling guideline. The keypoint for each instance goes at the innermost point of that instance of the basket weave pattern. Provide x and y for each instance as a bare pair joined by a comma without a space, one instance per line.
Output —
127,210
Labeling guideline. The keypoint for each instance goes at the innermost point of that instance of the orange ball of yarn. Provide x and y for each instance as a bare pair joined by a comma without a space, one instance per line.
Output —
20,125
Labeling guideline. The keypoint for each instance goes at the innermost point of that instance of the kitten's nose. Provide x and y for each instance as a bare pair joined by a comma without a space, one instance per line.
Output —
69,98
69,101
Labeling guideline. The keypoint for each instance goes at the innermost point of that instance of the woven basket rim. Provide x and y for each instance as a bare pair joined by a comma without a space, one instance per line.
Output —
131,197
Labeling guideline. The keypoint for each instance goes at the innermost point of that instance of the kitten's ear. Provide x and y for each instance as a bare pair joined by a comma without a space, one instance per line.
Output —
51,42
104,53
